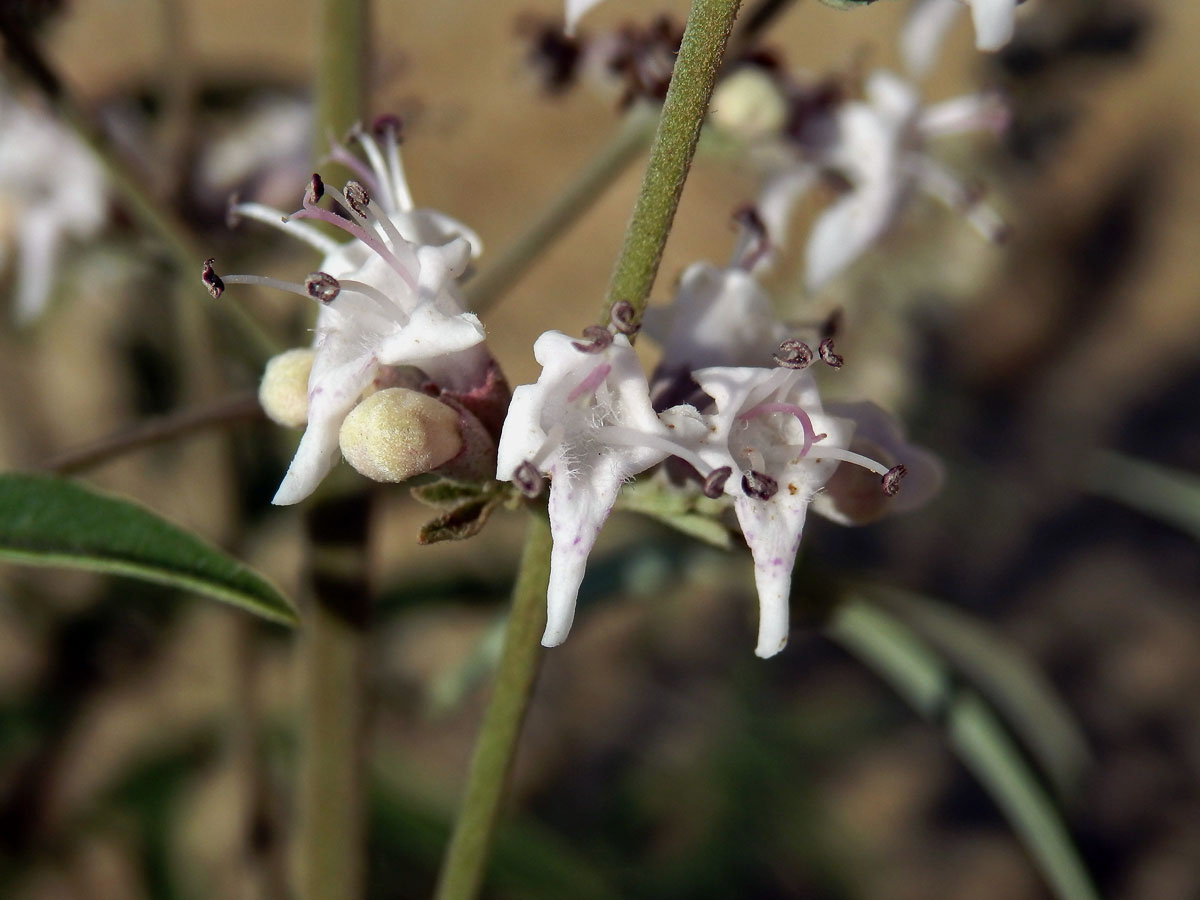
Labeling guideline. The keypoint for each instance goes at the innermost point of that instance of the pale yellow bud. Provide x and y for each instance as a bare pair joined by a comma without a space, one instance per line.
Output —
749,105
396,433
283,392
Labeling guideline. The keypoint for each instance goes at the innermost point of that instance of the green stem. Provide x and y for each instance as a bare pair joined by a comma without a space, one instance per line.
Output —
467,856
331,843
566,208
700,56
330,854
342,54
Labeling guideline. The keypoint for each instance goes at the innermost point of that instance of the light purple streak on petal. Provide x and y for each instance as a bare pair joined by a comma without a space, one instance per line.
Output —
591,381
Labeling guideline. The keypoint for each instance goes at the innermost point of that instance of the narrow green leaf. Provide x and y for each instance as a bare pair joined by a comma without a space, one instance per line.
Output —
687,511
446,493
460,523
919,675
47,521
1166,494
1027,700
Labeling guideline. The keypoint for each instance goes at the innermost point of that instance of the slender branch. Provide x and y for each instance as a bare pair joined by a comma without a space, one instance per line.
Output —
330,846
470,845
756,21
700,55
553,222
22,54
241,407
330,851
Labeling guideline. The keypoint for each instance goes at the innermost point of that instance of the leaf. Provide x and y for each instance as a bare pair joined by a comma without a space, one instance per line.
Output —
847,4
460,523
446,493
919,675
1166,494
684,510
47,521
1005,676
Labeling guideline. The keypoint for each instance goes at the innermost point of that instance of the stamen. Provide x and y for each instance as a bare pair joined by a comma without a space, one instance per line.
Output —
357,197
322,287
358,201
624,318
371,148
212,281
600,339
759,485
340,154
528,479
714,484
316,190
381,300
551,448
810,435
312,211
825,351
623,436
392,130
794,354
277,218
594,379
833,323
851,457
891,481
291,287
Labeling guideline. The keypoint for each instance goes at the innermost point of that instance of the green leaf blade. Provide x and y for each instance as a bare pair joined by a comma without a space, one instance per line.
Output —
48,521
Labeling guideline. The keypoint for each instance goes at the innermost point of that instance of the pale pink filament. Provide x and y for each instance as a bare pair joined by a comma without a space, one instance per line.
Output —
810,435
594,379
312,211
338,153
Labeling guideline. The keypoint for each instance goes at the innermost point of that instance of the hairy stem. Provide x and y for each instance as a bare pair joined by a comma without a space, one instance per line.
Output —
566,208
700,57
470,845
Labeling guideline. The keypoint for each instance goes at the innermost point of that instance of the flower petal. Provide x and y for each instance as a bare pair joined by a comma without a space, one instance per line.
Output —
772,529
994,22
575,11
924,30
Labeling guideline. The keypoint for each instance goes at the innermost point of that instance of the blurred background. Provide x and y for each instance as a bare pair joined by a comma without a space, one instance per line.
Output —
148,740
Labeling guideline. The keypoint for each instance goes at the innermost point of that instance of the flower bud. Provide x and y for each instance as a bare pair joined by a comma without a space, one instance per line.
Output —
749,105
398,433
283,392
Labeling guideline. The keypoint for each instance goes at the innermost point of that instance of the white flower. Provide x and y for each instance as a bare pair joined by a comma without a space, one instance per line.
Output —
57,191
878,146
719,317
769,446
389,298
589,425
929,20
575,10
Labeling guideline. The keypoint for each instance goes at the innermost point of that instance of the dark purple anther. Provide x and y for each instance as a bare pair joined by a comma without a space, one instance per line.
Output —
316,190
891,481
624,318
212,281
599,339
825,351
759,485
358,197
528,479
794,354
322,286
714,484
388,123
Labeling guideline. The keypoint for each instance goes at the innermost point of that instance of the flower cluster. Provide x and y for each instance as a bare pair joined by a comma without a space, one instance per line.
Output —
755,434
391,319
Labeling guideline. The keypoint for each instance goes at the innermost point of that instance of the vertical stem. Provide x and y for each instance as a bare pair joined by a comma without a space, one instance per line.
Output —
330,848
343,53
700,56
466,858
